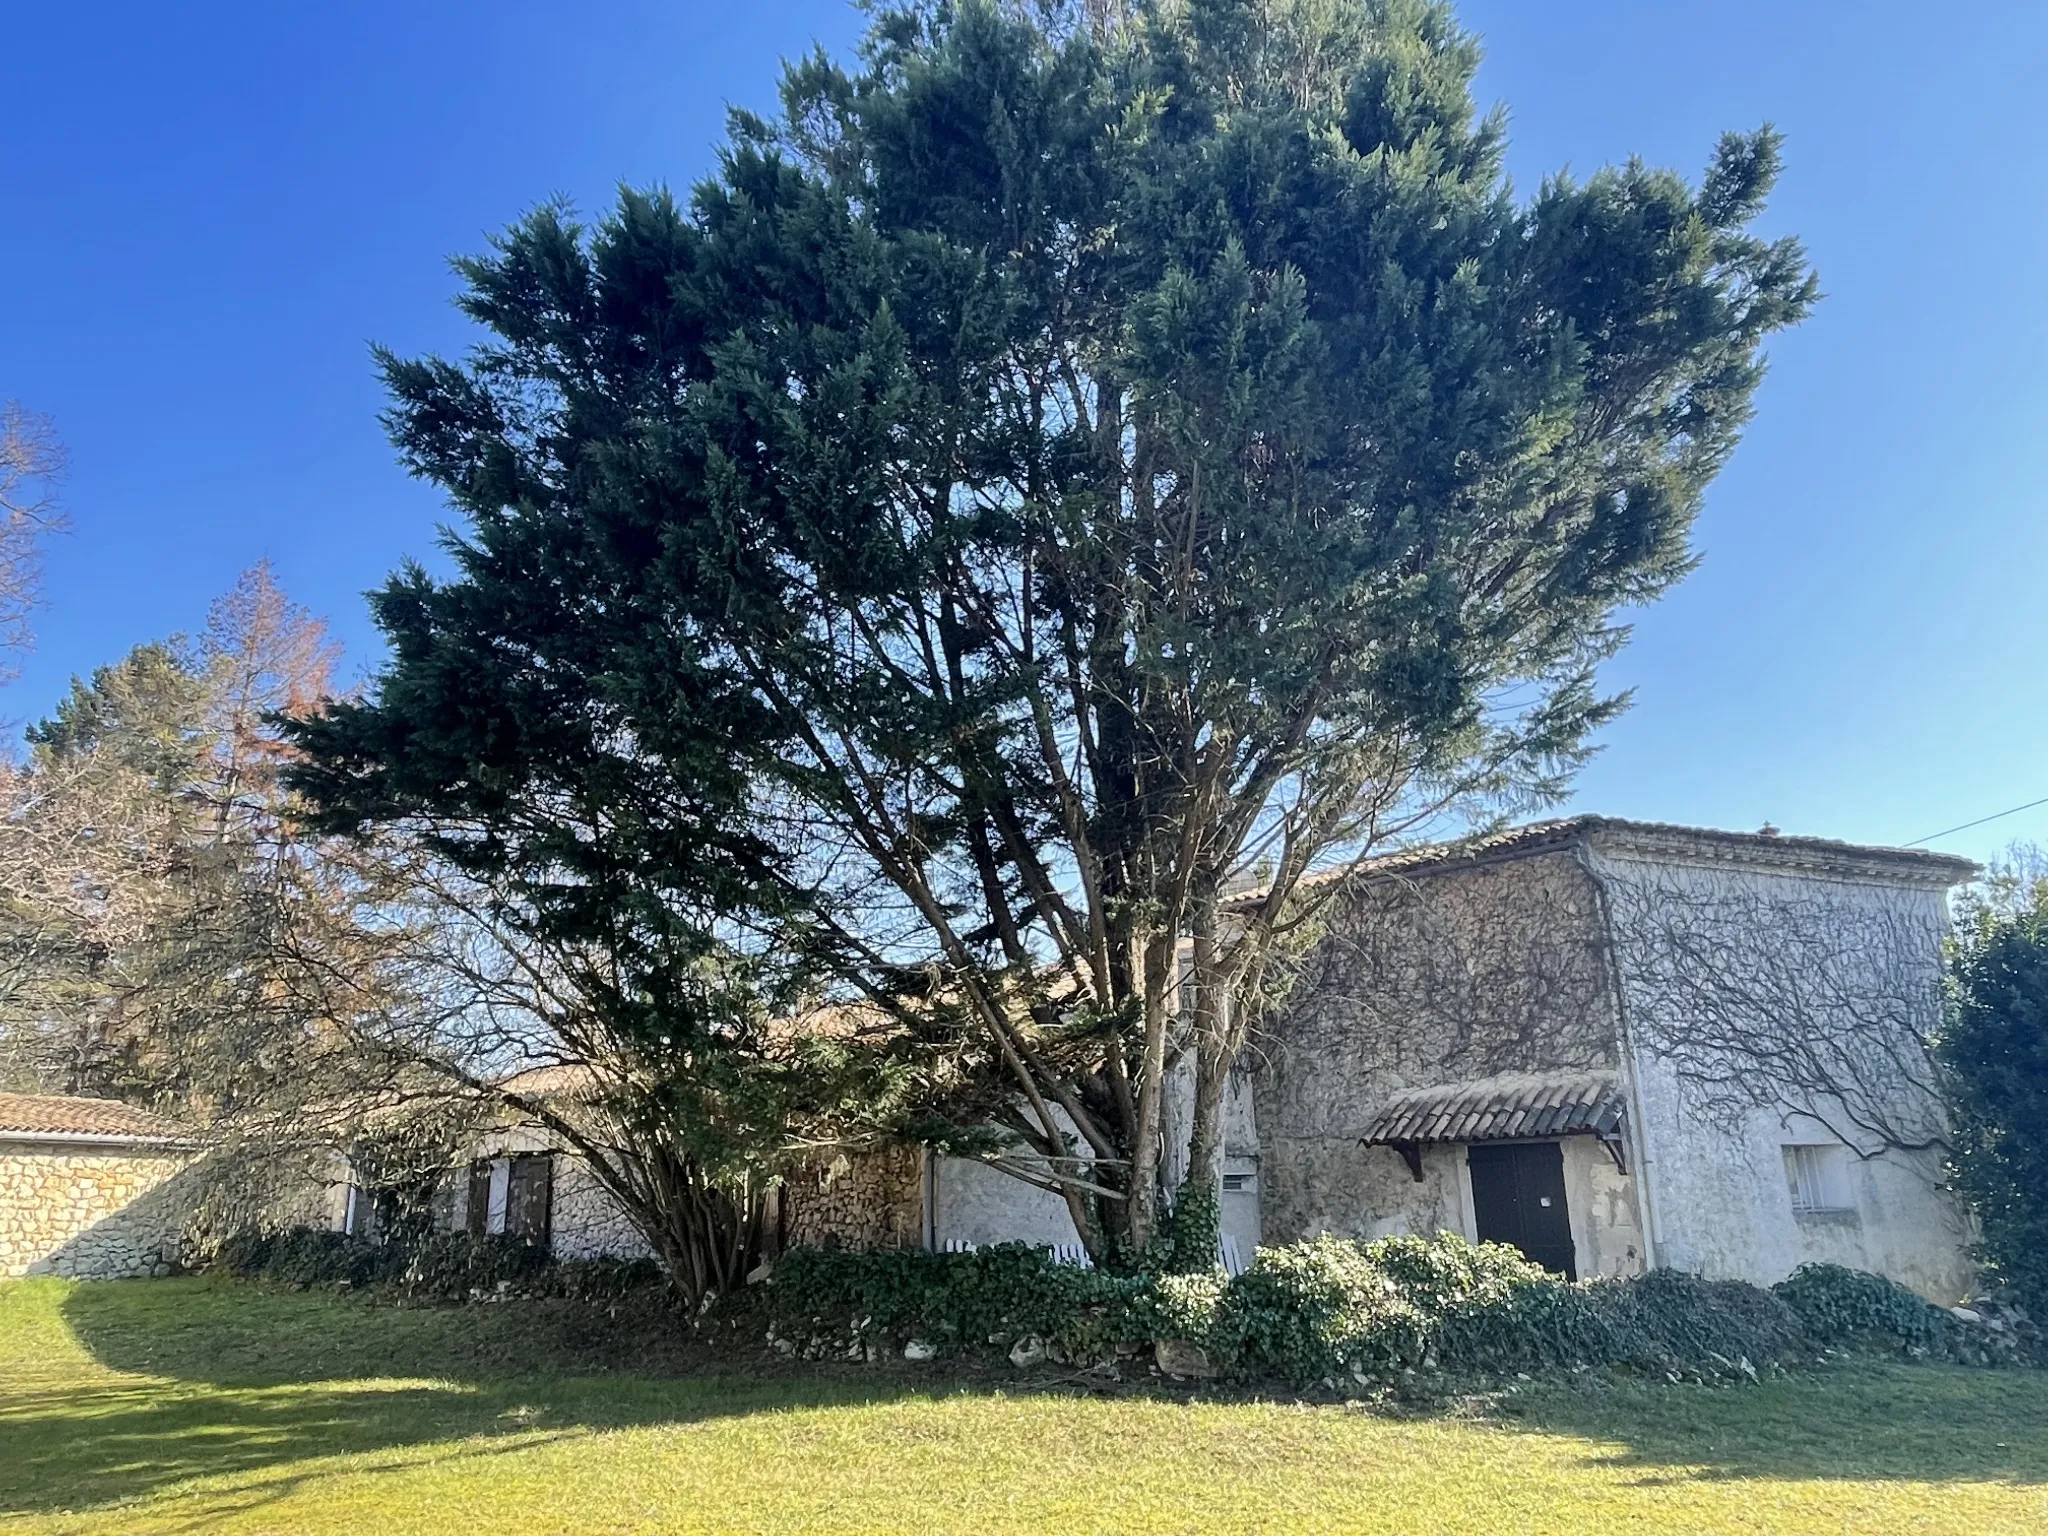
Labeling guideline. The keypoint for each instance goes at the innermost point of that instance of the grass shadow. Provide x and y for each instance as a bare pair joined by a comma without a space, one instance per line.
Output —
112,1392
1856,1420
220,1379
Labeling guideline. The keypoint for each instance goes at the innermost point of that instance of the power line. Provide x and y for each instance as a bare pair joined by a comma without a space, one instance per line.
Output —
1995,816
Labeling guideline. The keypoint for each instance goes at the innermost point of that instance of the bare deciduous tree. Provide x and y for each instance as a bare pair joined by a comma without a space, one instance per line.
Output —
149,854
31,463
441,981
263,656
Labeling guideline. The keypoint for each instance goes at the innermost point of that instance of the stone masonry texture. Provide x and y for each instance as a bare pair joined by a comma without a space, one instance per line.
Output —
869,1200
90,1212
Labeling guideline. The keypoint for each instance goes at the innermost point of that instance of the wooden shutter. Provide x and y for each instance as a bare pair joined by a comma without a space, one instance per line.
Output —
529,1193
479,1197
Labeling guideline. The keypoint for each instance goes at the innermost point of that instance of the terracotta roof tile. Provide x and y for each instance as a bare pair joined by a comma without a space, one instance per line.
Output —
1502,1108
568,1080
49,1116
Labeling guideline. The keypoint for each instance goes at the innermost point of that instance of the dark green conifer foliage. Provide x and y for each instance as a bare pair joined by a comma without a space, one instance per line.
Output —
1995,1048
1072,458
145,711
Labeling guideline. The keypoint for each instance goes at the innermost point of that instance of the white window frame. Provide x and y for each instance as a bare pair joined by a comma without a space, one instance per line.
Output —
501,1188
1817,1178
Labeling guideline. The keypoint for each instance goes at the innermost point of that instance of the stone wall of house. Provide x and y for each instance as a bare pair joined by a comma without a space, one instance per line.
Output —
1774,1008
1420,981
861,1201
587,1221
975,1205
869,1200
94,1213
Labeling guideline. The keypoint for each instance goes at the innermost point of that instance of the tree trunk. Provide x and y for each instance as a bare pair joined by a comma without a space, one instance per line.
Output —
705,1236
1199,1205
1143,1218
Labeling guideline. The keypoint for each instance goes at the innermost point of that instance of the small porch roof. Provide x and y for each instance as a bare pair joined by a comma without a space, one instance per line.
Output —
1503,1108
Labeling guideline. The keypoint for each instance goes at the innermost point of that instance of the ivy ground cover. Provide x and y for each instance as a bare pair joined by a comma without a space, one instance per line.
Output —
206,1405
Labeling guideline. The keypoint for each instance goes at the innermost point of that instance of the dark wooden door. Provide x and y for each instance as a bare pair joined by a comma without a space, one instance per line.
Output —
1518,1198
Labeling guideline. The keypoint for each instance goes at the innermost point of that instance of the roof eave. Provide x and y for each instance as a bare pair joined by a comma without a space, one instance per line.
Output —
1875,864
1804,855
100,1139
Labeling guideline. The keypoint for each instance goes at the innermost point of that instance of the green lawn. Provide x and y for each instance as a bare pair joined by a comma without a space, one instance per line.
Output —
195,1406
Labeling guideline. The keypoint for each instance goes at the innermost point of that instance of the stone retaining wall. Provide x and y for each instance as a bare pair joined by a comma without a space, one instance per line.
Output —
96,1213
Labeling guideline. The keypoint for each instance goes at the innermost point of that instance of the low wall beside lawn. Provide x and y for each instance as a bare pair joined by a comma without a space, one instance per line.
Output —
92,1213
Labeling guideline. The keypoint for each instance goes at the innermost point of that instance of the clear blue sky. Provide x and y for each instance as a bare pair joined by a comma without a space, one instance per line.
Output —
207,214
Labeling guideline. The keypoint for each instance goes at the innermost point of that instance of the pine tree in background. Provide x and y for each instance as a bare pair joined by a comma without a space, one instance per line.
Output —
151,863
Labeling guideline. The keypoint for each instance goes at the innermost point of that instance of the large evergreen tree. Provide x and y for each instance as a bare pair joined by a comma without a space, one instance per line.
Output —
1995,1050
1071,461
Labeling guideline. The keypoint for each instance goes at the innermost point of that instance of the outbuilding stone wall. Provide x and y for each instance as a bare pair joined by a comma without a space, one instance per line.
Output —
91,1212
873,1200
859,1201
1773,1009
587,1221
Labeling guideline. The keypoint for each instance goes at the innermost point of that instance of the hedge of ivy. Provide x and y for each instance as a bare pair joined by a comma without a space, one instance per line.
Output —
1852,1306
956,1301
1336,1311
448,1266
1331,1310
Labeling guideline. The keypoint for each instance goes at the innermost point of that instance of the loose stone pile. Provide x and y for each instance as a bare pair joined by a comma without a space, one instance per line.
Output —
1997,1327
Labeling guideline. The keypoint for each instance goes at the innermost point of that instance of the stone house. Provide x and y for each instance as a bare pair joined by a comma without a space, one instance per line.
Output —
1621,1045
523,1180
1614,1044
91,1188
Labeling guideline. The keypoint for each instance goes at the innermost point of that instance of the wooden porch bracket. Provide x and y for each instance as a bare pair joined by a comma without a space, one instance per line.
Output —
1617,1151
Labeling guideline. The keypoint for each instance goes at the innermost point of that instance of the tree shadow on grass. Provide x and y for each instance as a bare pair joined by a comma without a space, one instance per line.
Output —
241,1384
80,1449
225,1380
1860,1420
